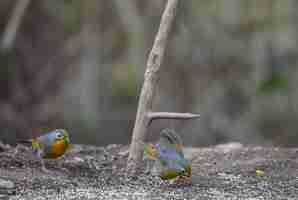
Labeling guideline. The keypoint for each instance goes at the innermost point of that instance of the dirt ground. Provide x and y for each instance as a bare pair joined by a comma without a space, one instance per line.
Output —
88,172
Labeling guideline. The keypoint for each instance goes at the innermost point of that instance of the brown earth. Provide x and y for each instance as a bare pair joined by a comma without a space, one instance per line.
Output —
219,172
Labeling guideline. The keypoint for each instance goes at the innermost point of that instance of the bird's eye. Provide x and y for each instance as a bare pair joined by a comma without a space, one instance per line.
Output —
59,135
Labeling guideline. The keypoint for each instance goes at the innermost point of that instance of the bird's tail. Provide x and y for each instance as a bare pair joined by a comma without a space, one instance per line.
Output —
33,143
35,146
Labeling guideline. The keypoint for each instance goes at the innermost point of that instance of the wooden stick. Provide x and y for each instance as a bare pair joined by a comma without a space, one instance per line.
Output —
170,115
150,82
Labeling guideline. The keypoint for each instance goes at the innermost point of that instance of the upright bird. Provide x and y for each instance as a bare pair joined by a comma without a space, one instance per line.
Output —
167,153
52,145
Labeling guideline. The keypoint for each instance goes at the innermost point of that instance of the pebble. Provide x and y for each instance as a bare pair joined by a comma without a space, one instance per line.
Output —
4,197
220,181
6,186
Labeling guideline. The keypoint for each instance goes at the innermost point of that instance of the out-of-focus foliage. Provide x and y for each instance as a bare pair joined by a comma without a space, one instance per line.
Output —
80,65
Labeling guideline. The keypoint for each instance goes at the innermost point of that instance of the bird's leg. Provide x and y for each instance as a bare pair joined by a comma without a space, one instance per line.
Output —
43,166
60,165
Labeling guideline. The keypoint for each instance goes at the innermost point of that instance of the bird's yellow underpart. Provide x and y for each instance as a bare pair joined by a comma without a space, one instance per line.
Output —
168,174
172,173
58,149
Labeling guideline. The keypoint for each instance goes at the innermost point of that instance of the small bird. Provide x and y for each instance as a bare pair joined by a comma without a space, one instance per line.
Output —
52,145
168,156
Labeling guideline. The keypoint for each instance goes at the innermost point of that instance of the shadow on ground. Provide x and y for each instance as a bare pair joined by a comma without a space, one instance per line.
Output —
220,172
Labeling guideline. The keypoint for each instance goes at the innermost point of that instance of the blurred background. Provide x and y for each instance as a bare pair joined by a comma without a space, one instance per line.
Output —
80,64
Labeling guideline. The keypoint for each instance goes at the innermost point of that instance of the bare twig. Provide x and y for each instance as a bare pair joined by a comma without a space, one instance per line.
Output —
14,23
151,77
170,115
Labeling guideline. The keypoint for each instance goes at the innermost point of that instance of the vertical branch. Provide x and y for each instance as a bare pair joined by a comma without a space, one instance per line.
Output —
14,23
151,76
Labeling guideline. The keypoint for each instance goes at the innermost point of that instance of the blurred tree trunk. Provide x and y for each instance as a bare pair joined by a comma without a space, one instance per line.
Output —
135,28
89,59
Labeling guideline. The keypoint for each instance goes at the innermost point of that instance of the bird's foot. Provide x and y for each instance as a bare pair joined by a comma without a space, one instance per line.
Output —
65,170
45,170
